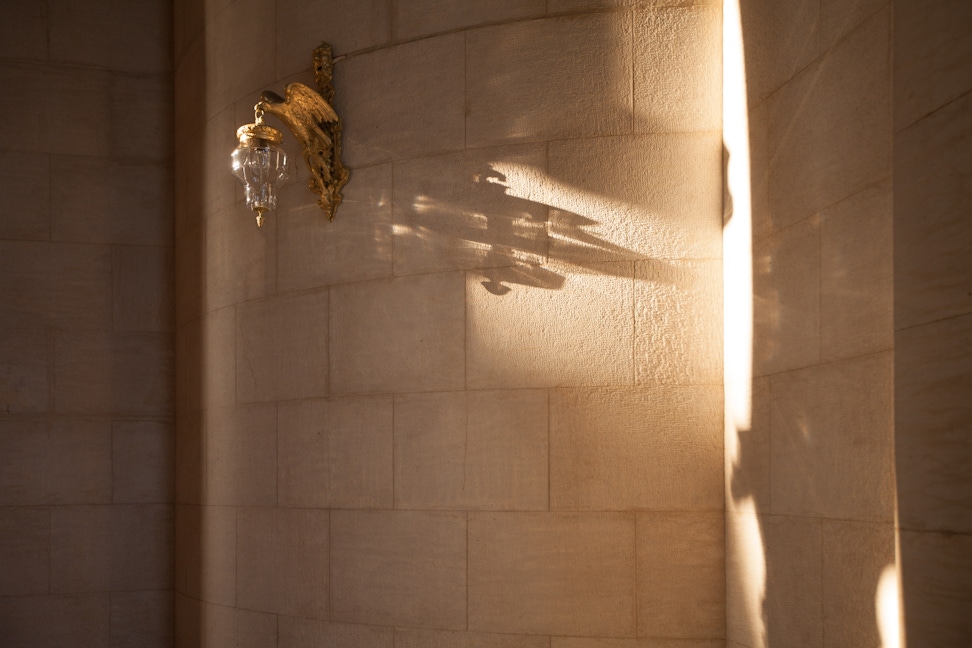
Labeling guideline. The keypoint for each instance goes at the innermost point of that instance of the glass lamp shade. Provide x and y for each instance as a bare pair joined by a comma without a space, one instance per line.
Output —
260,164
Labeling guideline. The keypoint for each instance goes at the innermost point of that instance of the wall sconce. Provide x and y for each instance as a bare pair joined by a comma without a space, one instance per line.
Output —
259,163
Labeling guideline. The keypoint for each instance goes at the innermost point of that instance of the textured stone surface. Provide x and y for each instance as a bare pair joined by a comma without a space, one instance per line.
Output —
25,380
281,348
834,420
31,621
241,462
522,84
143,456
335,453
25,550
239,52
936,582
471,450
142,288
206,549
28,212
415,18
412,638
657,449
282,561
142,619
398,335
793,580
399,568
310,633
552,573
533,336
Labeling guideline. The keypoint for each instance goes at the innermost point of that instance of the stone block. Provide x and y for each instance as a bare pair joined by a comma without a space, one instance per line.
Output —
143,468
335,453
238,258
678,317
552,573
936,585
402,101
681,575
310,633
856,275
398,335
399,568
476,209
471,450
355,246
241,455
549,79
25,551
415,18
25,355
678,69
534,336
23,35
27,195
206,549
142,619
142,288
414,638
141,117
793,605
655,449
73,620
281,348
282,561
239,52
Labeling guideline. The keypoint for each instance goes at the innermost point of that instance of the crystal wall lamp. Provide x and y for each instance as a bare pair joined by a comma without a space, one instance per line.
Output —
259,162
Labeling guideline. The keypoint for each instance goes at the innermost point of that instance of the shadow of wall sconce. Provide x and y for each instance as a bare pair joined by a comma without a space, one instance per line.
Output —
260,163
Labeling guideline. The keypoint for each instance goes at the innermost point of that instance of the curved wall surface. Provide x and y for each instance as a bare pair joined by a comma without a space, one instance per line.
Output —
483,406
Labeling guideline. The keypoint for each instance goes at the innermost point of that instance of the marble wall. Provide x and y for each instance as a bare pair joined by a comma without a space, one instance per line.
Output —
933,317
86,325
810,483
482,407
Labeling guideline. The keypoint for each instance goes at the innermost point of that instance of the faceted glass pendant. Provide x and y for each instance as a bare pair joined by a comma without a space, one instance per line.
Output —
260,164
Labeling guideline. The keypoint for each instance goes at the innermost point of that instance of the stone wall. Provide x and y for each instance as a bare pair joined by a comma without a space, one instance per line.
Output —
483,405
86,324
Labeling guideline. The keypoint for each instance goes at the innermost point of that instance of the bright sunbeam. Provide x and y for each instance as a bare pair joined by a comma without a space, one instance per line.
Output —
887,606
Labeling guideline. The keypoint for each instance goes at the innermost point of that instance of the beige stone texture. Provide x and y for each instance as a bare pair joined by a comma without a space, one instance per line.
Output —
834,421
25,379
856,275
61,285
932,414
936,582
932,204
657,449
347,25
400,568
678,69
235,628
190,282
255,629
62,110
678,317
854,557
241,462
25,550
27,214
402,101
105,548
523,84
786,299
480,208
644,642
310,633
533,336
471,450
239,259
413,638
681,575
792,607
142,619
415,18
932,58
552,573
355,246
66,462
142,287
827,128
214,362
282,561
119,47
281,348
239,52
23,35
97,372
104,200
398,335
747,469
143,468
839,17
211,187
73,620
335,453
141,117
206,549
649,196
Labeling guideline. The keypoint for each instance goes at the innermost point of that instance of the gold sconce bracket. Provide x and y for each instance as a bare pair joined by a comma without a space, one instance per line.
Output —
309,115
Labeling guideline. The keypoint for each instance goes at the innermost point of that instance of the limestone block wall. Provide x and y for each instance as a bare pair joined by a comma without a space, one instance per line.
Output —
932,321
86,324
483,405
810,486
